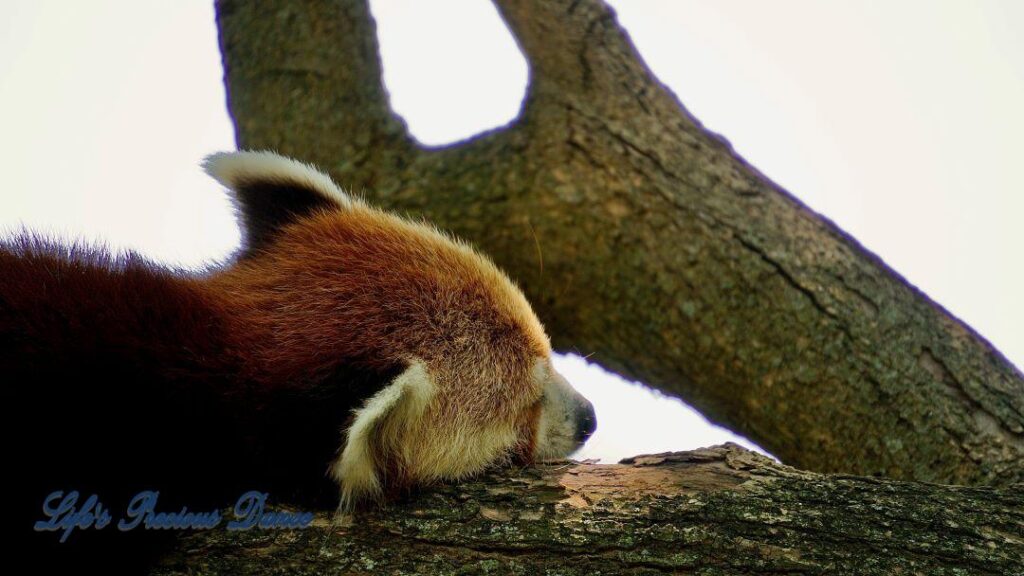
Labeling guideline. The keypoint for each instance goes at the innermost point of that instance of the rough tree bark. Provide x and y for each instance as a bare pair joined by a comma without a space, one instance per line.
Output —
721,510
644,239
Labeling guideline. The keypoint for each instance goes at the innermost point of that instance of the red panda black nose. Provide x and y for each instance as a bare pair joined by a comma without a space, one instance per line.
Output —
586,421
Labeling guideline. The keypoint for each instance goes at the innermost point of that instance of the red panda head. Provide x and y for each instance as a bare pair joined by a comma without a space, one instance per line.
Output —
326,279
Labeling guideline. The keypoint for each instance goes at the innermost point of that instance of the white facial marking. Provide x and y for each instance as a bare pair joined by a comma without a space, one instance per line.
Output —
558,428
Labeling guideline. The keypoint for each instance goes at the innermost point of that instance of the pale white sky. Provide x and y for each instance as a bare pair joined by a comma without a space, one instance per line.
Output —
900,120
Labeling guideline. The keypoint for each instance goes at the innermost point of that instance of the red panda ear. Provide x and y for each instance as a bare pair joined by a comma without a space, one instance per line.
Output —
371,459
270,191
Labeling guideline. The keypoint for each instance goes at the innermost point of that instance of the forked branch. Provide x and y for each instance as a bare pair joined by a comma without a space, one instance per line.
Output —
666,255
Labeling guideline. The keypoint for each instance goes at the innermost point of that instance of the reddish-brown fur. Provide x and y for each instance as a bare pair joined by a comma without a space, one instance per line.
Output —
373,289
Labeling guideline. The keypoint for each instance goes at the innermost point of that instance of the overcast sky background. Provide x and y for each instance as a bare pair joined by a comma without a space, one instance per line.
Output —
902,121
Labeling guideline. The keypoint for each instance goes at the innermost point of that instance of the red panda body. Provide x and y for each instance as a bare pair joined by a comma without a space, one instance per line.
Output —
125,378
344,346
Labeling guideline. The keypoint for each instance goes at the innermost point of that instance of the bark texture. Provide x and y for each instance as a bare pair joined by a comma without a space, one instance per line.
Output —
644,239
721,510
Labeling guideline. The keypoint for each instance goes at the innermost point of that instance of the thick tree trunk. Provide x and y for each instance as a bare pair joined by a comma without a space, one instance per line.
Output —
721,510
642,238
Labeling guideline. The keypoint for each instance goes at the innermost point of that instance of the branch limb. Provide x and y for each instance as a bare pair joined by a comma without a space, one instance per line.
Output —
710,511
312,80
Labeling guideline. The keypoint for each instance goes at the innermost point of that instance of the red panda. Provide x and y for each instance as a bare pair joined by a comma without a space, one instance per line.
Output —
343,346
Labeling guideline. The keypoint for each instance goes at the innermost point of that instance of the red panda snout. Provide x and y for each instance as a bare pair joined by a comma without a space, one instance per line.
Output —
586,420
566,421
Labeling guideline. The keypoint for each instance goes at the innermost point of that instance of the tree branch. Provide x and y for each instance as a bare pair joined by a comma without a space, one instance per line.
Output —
304,75
712,511
664,253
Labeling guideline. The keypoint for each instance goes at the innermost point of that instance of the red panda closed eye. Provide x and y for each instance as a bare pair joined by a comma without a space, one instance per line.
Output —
343,345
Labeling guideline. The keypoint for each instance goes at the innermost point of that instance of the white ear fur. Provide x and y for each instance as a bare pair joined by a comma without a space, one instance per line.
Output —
236,169
379,424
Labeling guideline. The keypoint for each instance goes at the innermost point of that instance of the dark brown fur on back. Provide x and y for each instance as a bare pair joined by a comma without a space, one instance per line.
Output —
120,376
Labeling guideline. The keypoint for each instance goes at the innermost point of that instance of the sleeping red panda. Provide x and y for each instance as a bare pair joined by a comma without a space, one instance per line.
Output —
343,343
